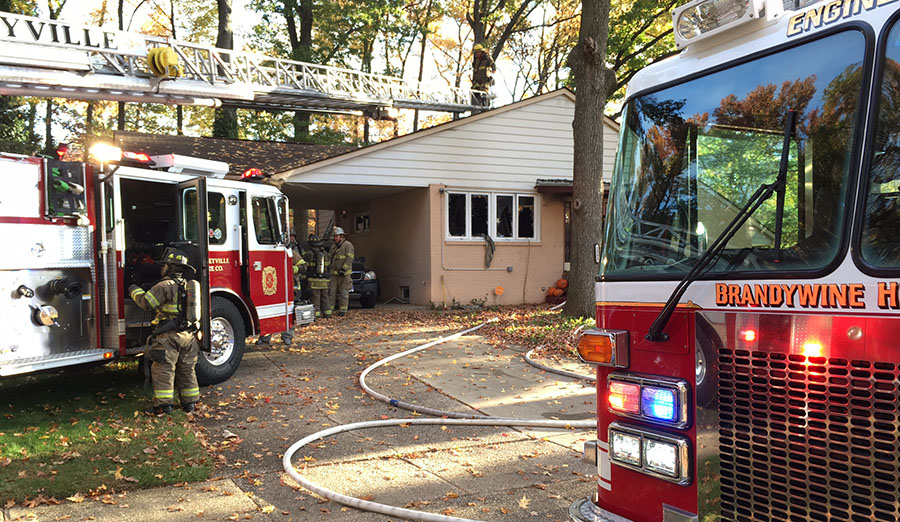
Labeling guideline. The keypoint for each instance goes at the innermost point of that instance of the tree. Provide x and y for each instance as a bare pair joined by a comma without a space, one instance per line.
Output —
539,53
53,8
593,84
16,116
226,122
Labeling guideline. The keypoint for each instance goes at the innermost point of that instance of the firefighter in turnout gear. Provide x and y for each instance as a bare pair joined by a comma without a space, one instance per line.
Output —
482,74
318,275
173,346
341,268
300,267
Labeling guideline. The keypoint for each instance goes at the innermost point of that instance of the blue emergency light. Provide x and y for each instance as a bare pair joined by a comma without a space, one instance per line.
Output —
658,403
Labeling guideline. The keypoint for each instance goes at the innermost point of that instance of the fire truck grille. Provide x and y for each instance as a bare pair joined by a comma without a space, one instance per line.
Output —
808,438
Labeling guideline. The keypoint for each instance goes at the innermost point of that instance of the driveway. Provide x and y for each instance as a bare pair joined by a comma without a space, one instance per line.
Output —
284,393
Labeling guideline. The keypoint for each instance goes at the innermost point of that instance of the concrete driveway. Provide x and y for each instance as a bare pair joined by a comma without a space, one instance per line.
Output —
282,394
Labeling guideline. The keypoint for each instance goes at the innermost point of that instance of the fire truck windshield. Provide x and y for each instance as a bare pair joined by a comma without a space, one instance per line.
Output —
691,155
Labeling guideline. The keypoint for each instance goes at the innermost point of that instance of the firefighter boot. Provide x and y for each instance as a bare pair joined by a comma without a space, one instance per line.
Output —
162,409
190,407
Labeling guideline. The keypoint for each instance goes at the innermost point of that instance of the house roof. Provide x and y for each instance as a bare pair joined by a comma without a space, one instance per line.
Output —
351,154
269,156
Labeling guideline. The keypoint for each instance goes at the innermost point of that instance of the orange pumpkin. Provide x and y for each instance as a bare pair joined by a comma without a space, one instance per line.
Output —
562,283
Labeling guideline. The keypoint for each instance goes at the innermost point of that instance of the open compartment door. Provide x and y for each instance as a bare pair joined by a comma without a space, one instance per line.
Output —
194,224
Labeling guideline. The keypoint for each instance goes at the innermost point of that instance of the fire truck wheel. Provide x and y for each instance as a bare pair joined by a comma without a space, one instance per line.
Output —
227,336
706,364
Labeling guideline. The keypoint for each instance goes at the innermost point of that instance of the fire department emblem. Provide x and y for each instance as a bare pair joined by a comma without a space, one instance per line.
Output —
269,280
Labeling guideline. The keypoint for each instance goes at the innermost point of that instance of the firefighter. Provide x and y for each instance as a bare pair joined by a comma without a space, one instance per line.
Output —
318,275
482,73
341,267
173,346
299,262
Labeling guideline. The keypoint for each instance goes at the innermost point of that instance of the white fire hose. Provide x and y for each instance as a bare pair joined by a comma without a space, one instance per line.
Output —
455,419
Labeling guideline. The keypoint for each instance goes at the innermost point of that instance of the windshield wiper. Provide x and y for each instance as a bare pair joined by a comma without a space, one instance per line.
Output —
763,193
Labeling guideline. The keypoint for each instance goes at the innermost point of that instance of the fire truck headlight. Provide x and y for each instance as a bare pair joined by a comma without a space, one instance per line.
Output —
659,454
105,153
625,448
661,457
604,347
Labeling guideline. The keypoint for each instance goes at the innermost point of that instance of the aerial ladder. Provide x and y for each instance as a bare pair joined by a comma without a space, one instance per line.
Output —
54,58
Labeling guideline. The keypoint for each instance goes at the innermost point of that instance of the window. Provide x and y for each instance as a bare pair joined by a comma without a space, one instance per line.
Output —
362,222
879,246
218,229
264,221
501,216
215,215
692,155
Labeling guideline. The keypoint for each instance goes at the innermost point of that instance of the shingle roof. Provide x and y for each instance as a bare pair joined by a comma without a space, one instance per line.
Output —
269,156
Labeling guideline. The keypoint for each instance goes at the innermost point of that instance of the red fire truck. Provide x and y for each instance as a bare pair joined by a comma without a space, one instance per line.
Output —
748,303
76,235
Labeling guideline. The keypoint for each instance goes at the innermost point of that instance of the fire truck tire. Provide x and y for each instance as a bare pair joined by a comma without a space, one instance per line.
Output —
707,364
228,338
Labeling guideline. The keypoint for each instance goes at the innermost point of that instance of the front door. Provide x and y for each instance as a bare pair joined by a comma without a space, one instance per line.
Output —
270,273
192,200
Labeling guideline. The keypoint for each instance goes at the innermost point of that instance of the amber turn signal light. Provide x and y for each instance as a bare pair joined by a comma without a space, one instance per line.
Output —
604,347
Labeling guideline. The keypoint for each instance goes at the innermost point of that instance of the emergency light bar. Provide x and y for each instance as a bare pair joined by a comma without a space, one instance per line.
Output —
701,19
179,164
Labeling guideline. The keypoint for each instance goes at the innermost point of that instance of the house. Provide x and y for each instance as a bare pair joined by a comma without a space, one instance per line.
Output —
473,210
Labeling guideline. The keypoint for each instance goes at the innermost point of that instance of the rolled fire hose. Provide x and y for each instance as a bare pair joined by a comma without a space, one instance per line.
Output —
455,420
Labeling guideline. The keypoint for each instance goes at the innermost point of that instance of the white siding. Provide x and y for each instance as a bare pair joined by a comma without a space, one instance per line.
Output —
509,150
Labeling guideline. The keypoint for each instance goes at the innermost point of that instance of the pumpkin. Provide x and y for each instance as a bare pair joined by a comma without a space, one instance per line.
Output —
562,283
555,292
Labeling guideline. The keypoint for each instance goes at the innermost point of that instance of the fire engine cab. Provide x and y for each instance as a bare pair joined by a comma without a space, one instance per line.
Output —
77,235
748,300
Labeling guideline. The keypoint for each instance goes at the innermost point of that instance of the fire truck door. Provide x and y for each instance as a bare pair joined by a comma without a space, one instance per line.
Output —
194,217
111,252
271,283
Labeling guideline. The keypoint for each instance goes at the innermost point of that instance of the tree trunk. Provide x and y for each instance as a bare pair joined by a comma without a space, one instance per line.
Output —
301,49
120,107
301,122
226,121
592,86
48,127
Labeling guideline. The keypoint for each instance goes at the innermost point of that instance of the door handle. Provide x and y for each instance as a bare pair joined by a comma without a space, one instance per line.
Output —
257,265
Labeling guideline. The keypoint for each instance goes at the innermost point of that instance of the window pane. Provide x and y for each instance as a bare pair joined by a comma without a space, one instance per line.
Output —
691,156
479,215
526,216
262,219
504,216
882,219
189,214
280,209
217,226
456,214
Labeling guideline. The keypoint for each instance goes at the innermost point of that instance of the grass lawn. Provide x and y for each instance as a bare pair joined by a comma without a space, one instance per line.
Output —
78,433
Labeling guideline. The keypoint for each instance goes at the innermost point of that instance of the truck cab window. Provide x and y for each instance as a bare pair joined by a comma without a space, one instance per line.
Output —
691,156
265,223
879,246
215,214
